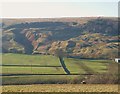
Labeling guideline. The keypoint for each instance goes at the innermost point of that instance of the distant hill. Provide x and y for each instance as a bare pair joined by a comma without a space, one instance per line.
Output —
79,37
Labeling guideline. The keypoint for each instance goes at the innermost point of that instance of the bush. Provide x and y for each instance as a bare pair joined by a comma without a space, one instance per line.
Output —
102,79
110,77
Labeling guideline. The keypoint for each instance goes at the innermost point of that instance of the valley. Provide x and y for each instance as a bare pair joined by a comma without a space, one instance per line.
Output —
95,38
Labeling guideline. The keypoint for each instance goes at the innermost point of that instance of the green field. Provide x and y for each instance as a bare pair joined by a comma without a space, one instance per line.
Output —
86,66
24,59
26,69
47,64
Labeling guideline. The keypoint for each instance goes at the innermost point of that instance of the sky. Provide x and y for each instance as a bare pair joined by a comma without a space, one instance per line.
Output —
53,9
59,0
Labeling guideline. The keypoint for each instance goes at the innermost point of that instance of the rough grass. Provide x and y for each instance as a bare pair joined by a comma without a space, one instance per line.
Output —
43,79
61,88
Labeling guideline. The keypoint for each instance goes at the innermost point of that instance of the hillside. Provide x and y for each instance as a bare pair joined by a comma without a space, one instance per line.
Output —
78,37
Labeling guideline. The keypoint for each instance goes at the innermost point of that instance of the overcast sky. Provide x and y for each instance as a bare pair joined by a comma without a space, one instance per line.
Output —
59,9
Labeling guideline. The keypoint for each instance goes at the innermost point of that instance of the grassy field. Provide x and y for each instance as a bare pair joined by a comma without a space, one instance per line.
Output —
31,69
23,59
61,88
87,66
47,64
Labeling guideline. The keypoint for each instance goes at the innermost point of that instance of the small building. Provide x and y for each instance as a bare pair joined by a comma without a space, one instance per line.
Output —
117,60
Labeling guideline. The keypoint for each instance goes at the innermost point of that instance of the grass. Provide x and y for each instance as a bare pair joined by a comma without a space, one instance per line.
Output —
73,67
96,66
31,64
62,88
30,59
46,79
76,66
32,70
21,59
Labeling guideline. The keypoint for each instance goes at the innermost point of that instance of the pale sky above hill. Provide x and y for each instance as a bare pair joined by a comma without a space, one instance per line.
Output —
60,0
59,9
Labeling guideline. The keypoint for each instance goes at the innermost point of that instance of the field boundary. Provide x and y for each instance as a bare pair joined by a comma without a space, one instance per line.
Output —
30,65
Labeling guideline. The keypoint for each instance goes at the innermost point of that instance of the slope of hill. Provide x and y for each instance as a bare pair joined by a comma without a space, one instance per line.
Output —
78,37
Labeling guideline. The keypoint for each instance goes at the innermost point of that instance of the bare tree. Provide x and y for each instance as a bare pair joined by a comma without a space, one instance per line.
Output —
60,54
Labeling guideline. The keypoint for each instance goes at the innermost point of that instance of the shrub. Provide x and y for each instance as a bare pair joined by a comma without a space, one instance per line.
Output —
110,77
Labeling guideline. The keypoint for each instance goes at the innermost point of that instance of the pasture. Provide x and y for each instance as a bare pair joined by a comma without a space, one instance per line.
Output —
36,69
